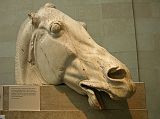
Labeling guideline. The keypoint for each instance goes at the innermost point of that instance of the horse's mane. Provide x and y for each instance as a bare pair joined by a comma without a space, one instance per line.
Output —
22,49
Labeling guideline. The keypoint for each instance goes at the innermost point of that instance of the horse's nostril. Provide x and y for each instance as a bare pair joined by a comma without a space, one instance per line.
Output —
115,73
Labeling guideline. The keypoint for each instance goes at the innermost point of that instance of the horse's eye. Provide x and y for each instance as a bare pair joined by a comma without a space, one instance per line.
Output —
55,27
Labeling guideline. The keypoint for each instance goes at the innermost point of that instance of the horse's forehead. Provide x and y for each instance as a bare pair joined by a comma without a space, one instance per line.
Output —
51,13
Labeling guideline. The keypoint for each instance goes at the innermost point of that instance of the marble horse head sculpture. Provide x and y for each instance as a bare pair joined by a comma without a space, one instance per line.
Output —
52,48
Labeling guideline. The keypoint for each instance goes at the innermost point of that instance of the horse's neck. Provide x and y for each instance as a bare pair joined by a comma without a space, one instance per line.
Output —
22,47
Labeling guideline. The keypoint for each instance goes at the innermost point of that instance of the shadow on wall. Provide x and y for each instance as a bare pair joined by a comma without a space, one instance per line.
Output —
113,109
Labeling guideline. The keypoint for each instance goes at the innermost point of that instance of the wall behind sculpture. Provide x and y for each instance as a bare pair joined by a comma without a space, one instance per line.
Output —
147,19
111,23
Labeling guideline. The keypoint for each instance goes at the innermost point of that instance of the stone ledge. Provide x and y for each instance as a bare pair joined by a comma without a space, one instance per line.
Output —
61,102
75,114
63,98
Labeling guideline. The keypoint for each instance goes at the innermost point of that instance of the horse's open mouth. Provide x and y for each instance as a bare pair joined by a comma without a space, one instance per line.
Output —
95,96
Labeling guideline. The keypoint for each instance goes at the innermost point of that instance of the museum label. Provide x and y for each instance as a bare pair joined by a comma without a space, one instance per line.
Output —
24,98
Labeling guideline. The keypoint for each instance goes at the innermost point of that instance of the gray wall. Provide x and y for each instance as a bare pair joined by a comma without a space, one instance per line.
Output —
147,18
117,25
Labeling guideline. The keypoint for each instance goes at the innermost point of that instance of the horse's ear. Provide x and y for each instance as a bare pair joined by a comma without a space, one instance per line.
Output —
51,5
83,24
35,18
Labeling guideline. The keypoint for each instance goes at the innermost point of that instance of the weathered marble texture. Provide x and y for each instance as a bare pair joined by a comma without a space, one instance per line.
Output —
52,48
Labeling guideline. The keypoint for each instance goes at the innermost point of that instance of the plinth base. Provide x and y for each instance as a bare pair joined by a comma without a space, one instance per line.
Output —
60,102
75,114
